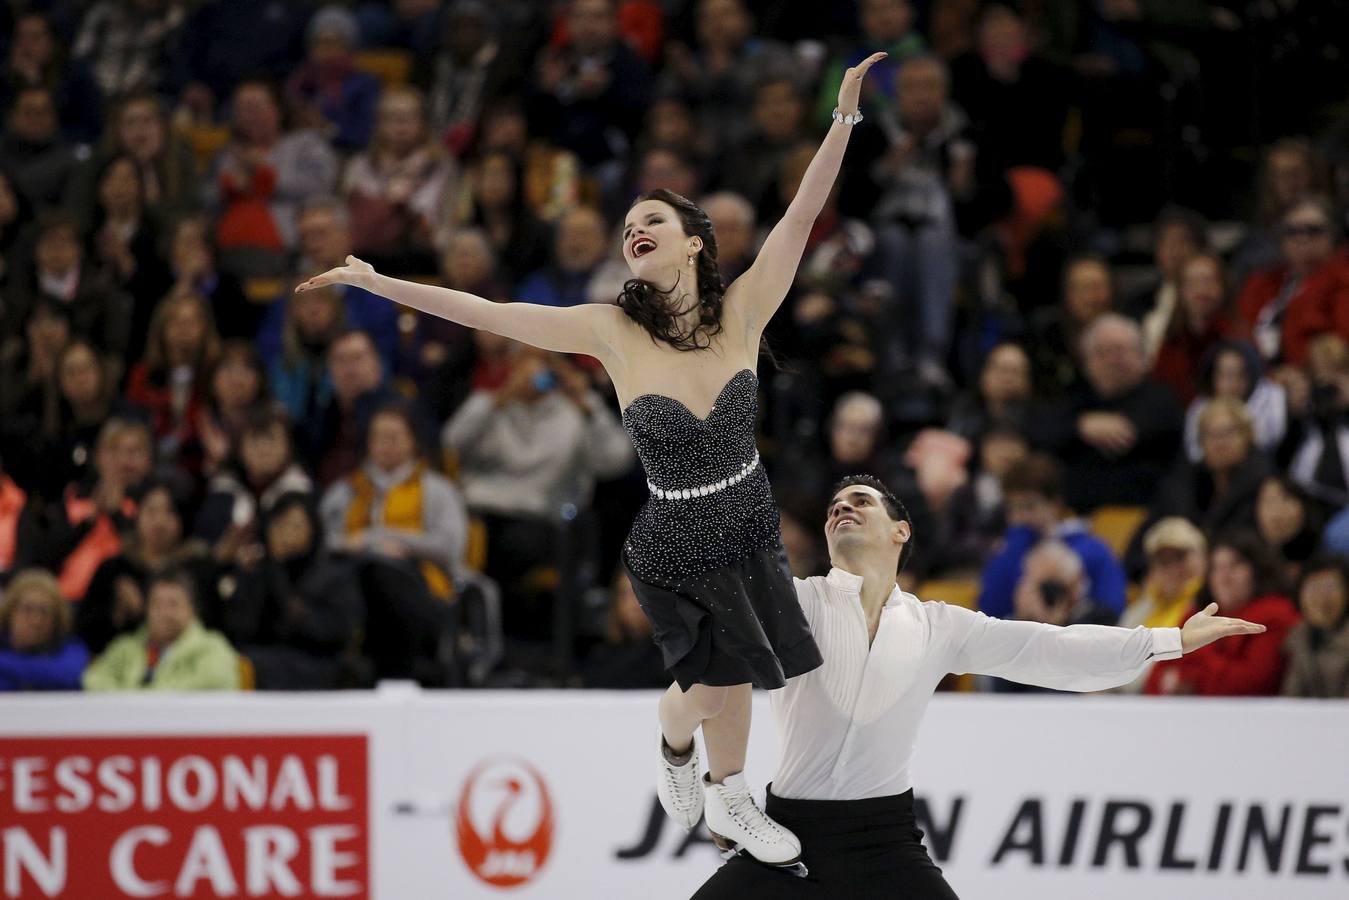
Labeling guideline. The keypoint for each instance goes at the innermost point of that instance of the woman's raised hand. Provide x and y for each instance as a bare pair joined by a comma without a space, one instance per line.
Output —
851,88
355,272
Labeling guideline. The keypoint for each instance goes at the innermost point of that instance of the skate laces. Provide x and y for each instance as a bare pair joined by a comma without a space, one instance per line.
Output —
682,790
742,809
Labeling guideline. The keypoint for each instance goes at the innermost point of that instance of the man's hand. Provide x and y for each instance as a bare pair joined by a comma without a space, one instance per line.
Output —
1111,433
1203,628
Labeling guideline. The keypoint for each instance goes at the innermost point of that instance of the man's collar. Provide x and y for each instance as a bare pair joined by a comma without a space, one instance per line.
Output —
852,584
845,581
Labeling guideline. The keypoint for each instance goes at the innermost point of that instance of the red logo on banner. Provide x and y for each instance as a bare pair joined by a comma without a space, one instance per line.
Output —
505,822
202,816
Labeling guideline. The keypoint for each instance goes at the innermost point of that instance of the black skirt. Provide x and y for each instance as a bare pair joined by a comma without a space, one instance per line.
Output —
855,850
737,624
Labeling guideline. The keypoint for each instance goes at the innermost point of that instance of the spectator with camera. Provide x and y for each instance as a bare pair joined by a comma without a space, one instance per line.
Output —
1053,589
1034,502
529,455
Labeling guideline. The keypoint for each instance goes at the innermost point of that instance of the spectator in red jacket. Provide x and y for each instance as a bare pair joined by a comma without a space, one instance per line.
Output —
1243,580
172,380
1202,319
1306,294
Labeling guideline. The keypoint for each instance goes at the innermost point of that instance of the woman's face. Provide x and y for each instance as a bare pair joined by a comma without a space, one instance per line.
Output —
168,613
1323,598
1290,176
1278,514
1006,375
9,203
467,260
1087,291
496,182
189,245
1307,238
32,622
140,131
1231,580
391,444
256,115
400,128
316,313
1174,246
654,242
1223,440
79,376
289,535
47,334
1171,568
264,453
1201,288
157,523
1230,378
236,384
185,332
120,189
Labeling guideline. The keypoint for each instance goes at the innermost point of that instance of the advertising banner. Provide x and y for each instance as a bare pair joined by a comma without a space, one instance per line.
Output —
208,815
408,795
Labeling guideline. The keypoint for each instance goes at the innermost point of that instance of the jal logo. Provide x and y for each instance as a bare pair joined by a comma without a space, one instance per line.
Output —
505,822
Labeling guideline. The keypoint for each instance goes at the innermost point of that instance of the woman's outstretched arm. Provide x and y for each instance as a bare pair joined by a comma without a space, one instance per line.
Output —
588,329
766,282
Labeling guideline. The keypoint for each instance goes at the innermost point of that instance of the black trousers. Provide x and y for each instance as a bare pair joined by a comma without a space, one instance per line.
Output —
855,850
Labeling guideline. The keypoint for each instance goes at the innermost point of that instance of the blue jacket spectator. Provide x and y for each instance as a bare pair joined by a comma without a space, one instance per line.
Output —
327,91
1034,501
37,650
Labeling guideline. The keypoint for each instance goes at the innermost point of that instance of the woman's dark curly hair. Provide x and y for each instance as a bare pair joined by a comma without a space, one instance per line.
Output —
659,311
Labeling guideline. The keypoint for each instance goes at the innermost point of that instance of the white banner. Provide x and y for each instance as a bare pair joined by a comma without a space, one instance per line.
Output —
549,795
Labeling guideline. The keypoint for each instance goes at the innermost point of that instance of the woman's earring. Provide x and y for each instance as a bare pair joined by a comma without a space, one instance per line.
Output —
690,259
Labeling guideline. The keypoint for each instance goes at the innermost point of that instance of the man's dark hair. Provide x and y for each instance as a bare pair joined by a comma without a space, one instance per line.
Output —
179,577
894,507
1036,474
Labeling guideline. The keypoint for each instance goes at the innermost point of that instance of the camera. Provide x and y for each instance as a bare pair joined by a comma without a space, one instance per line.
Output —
544,381
1053,592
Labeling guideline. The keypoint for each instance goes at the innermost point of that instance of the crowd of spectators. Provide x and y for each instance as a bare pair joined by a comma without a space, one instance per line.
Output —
1085,265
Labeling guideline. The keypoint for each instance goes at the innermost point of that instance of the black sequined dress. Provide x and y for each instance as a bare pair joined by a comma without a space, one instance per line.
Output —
705,553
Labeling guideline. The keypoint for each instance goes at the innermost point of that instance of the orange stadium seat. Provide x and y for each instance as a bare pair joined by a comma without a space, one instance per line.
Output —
391,67
1116,525
955,591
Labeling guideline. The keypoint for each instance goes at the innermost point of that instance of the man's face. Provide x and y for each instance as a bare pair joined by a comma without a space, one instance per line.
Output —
1057,585
1031,510
354,367
324,238
852,437
32,621
857,518
592,24
1114,361
580,240
168,612
57,251
921,88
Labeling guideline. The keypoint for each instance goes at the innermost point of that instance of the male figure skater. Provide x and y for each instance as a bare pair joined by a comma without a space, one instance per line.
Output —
848,728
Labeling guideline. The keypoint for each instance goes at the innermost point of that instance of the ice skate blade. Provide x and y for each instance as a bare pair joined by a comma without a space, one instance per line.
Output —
729,850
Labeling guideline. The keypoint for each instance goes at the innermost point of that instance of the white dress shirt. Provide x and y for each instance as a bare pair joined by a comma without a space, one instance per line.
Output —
847,730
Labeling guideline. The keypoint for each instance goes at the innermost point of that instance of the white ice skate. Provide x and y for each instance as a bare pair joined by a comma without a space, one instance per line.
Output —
679,787
739,826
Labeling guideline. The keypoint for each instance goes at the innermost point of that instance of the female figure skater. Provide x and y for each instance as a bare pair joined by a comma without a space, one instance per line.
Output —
705,553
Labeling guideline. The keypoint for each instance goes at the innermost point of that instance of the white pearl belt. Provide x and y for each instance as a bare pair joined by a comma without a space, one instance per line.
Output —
689,493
